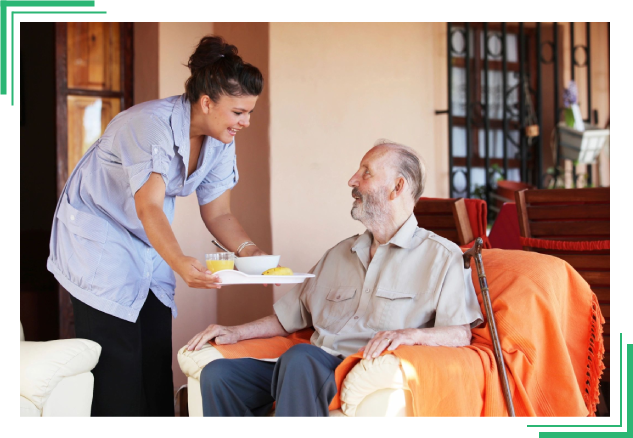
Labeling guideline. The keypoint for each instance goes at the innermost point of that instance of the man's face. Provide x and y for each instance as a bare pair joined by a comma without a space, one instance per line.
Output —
370,186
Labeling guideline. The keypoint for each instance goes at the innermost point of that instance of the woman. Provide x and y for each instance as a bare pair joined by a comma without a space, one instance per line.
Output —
112,246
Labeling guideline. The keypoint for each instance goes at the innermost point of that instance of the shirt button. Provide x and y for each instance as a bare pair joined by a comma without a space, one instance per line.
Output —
356,317
180,186
338,297
366,290
155,150
147,274
72,217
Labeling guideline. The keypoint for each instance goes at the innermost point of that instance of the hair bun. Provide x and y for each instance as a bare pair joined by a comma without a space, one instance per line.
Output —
217,69
229,49
210,49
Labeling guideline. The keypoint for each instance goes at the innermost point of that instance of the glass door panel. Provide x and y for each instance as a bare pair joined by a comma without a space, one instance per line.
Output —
88,117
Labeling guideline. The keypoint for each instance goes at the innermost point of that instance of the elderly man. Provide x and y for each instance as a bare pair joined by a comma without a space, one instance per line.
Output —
394,285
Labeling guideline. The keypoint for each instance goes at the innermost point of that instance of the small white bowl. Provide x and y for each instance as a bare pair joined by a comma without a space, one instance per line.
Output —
256,265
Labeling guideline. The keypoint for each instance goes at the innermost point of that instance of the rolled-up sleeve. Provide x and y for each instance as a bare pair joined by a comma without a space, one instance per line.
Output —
223,176
147,146
291,310
457,303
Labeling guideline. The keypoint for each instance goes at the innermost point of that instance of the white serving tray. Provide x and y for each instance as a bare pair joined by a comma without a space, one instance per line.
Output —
236,277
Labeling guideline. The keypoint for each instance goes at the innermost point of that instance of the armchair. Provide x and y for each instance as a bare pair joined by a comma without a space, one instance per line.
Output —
55,377
374,388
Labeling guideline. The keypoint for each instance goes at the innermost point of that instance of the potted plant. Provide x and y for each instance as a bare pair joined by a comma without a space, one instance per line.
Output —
579,142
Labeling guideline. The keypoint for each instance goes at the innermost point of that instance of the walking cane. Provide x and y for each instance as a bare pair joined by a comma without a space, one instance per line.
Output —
475,253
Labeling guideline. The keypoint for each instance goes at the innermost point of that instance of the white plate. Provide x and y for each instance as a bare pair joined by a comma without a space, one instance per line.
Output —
236,277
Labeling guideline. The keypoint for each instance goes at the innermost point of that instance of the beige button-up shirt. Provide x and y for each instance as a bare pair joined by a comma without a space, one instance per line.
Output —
416,280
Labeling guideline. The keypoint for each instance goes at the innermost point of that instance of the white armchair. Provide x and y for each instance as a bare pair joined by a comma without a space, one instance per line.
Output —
55,377
373,388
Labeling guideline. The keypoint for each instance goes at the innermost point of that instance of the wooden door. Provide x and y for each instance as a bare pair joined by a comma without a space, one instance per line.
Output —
94,83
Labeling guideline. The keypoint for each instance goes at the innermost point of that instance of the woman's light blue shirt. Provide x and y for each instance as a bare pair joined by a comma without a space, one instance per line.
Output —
99,250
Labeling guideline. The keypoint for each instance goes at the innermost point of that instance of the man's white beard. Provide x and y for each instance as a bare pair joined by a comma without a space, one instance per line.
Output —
374,208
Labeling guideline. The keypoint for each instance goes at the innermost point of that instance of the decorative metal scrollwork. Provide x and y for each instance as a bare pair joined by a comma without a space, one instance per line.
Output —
453,50
497,36
501,113
584,48
460,185
512,110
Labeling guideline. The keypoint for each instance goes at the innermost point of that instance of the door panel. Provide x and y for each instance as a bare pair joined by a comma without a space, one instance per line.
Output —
94,56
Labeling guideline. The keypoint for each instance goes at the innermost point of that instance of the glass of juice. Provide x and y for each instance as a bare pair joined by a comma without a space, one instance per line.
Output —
220,261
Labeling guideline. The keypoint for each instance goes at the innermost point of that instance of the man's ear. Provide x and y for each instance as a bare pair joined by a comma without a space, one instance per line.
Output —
398,189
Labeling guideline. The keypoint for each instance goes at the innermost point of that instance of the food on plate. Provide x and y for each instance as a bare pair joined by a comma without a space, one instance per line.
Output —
280,270
219,265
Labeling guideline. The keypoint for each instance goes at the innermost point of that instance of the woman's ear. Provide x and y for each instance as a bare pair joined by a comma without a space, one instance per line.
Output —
205,103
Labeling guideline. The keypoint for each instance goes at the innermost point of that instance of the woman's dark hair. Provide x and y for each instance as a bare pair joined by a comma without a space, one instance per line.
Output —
216,70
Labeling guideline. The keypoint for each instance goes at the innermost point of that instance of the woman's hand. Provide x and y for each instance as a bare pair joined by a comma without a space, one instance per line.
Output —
195,274
223,335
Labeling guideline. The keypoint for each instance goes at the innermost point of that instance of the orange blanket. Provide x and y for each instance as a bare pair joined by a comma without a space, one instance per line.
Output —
550,327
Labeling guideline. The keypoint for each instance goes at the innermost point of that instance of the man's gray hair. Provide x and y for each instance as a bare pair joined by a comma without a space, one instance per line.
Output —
410,166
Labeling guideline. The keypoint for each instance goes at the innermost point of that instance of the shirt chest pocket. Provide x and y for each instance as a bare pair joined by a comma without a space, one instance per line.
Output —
390,309
338,308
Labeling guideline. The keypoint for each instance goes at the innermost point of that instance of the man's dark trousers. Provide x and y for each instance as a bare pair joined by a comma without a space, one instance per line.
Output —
301,383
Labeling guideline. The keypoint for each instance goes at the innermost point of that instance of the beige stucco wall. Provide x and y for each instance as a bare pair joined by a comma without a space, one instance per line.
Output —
335,89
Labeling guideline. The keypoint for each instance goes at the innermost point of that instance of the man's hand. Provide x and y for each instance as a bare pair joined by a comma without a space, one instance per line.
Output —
389,340
266,327
223,335
196,275
450,336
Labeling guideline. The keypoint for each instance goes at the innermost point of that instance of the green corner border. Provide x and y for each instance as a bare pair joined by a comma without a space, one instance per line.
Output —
4,4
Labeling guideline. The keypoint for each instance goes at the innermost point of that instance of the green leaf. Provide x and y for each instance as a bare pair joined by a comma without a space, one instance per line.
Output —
569,118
